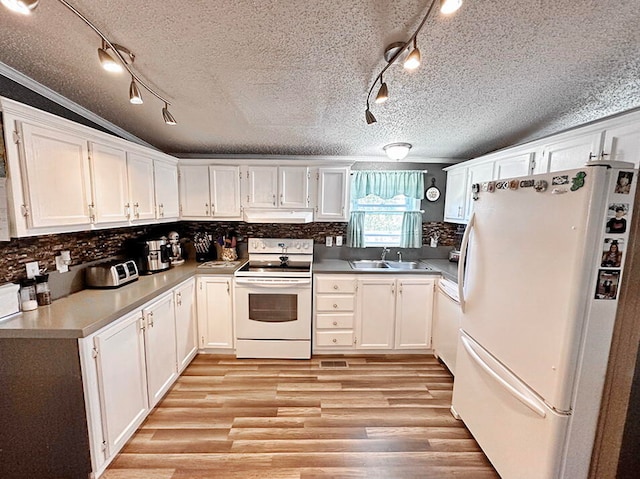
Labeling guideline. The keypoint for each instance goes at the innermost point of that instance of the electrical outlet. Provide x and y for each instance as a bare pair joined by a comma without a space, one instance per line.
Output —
329,241
33,269
338,240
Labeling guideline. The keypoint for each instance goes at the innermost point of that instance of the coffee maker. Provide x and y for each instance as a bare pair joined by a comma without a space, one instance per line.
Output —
153,255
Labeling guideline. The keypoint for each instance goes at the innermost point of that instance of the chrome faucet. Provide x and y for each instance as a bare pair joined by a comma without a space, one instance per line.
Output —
400,256
385,250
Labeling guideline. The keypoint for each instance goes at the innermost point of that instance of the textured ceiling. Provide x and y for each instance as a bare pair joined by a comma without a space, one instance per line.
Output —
291,76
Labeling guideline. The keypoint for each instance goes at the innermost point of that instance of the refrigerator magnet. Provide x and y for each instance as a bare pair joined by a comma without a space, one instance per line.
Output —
502,185
491,186
607,287
612,251
616,222
526,183
578,180
540,186
513,184
560,180
623,183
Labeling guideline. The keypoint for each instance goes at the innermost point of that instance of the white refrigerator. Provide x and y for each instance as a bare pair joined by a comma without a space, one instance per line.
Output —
539,275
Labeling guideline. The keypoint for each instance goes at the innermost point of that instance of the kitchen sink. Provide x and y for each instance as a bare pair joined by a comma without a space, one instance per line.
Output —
368,264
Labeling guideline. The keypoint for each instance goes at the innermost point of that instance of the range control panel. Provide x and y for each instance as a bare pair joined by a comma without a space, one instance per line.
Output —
279,245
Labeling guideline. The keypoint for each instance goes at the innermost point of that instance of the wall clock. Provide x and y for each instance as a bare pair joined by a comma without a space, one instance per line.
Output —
432,193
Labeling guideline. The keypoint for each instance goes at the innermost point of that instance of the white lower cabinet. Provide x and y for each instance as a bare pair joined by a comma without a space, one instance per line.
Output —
129,365
186,323
215,312
160,347
383,312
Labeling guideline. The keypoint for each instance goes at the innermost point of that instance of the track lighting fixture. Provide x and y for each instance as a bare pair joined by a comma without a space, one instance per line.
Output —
398,49
113,57
167,116
135,96
397,151
383,92
25,7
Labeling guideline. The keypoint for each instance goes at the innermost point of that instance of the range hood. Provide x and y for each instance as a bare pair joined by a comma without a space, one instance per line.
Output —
277,215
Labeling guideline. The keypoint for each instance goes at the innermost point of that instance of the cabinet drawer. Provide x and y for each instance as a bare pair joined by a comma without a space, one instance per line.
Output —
334,338
334,321
335,285
335,303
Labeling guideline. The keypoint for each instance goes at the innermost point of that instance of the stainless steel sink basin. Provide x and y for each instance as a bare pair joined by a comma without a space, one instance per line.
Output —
368,264
402,265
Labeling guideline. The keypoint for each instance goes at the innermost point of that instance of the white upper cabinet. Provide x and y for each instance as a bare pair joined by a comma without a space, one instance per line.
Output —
333,194
566,152
455,201
210,192
262,191
166,190
110,185
622,142
513,165
224,183
293,185
141,187
57,180
476,174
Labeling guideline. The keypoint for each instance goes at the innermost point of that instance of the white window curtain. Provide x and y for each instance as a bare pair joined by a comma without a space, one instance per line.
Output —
386,185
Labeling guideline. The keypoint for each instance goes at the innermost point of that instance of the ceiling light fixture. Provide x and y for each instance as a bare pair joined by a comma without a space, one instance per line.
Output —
25,7
113,57
397,151
396,50
135,96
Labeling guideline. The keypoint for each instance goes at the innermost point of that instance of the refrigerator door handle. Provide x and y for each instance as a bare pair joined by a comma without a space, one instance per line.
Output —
519,391
463,257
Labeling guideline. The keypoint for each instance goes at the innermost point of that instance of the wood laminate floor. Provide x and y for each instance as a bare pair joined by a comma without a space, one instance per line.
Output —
382,417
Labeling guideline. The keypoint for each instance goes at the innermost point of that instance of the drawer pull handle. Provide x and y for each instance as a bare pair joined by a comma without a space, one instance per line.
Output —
335,323
335,286
335,305
335,340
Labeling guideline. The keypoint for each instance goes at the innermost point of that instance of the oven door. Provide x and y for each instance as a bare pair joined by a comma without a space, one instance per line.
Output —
273,308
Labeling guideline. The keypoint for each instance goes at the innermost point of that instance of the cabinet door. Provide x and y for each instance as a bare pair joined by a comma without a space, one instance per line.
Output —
375,313
571,152
215,314
194,191
293,187
456,195
166,190
475,174
141,190
55,160
513,166
121,380
622,143
186,327
160,347
225,192
110,187
333,197
414,313
263,186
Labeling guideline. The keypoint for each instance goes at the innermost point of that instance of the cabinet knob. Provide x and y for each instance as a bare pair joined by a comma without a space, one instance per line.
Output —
335,305
335,340
335,323
335,286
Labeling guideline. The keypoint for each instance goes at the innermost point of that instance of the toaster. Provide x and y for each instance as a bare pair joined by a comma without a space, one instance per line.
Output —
111,274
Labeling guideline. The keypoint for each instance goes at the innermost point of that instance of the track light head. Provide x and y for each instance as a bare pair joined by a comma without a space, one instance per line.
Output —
383,93
107,61
413,60
25,7
167,116
449,6
135,97
369,117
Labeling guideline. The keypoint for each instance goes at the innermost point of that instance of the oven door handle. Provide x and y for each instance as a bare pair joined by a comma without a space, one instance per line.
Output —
277,283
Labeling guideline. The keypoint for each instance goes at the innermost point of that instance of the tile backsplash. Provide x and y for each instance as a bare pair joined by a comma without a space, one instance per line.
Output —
90,246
